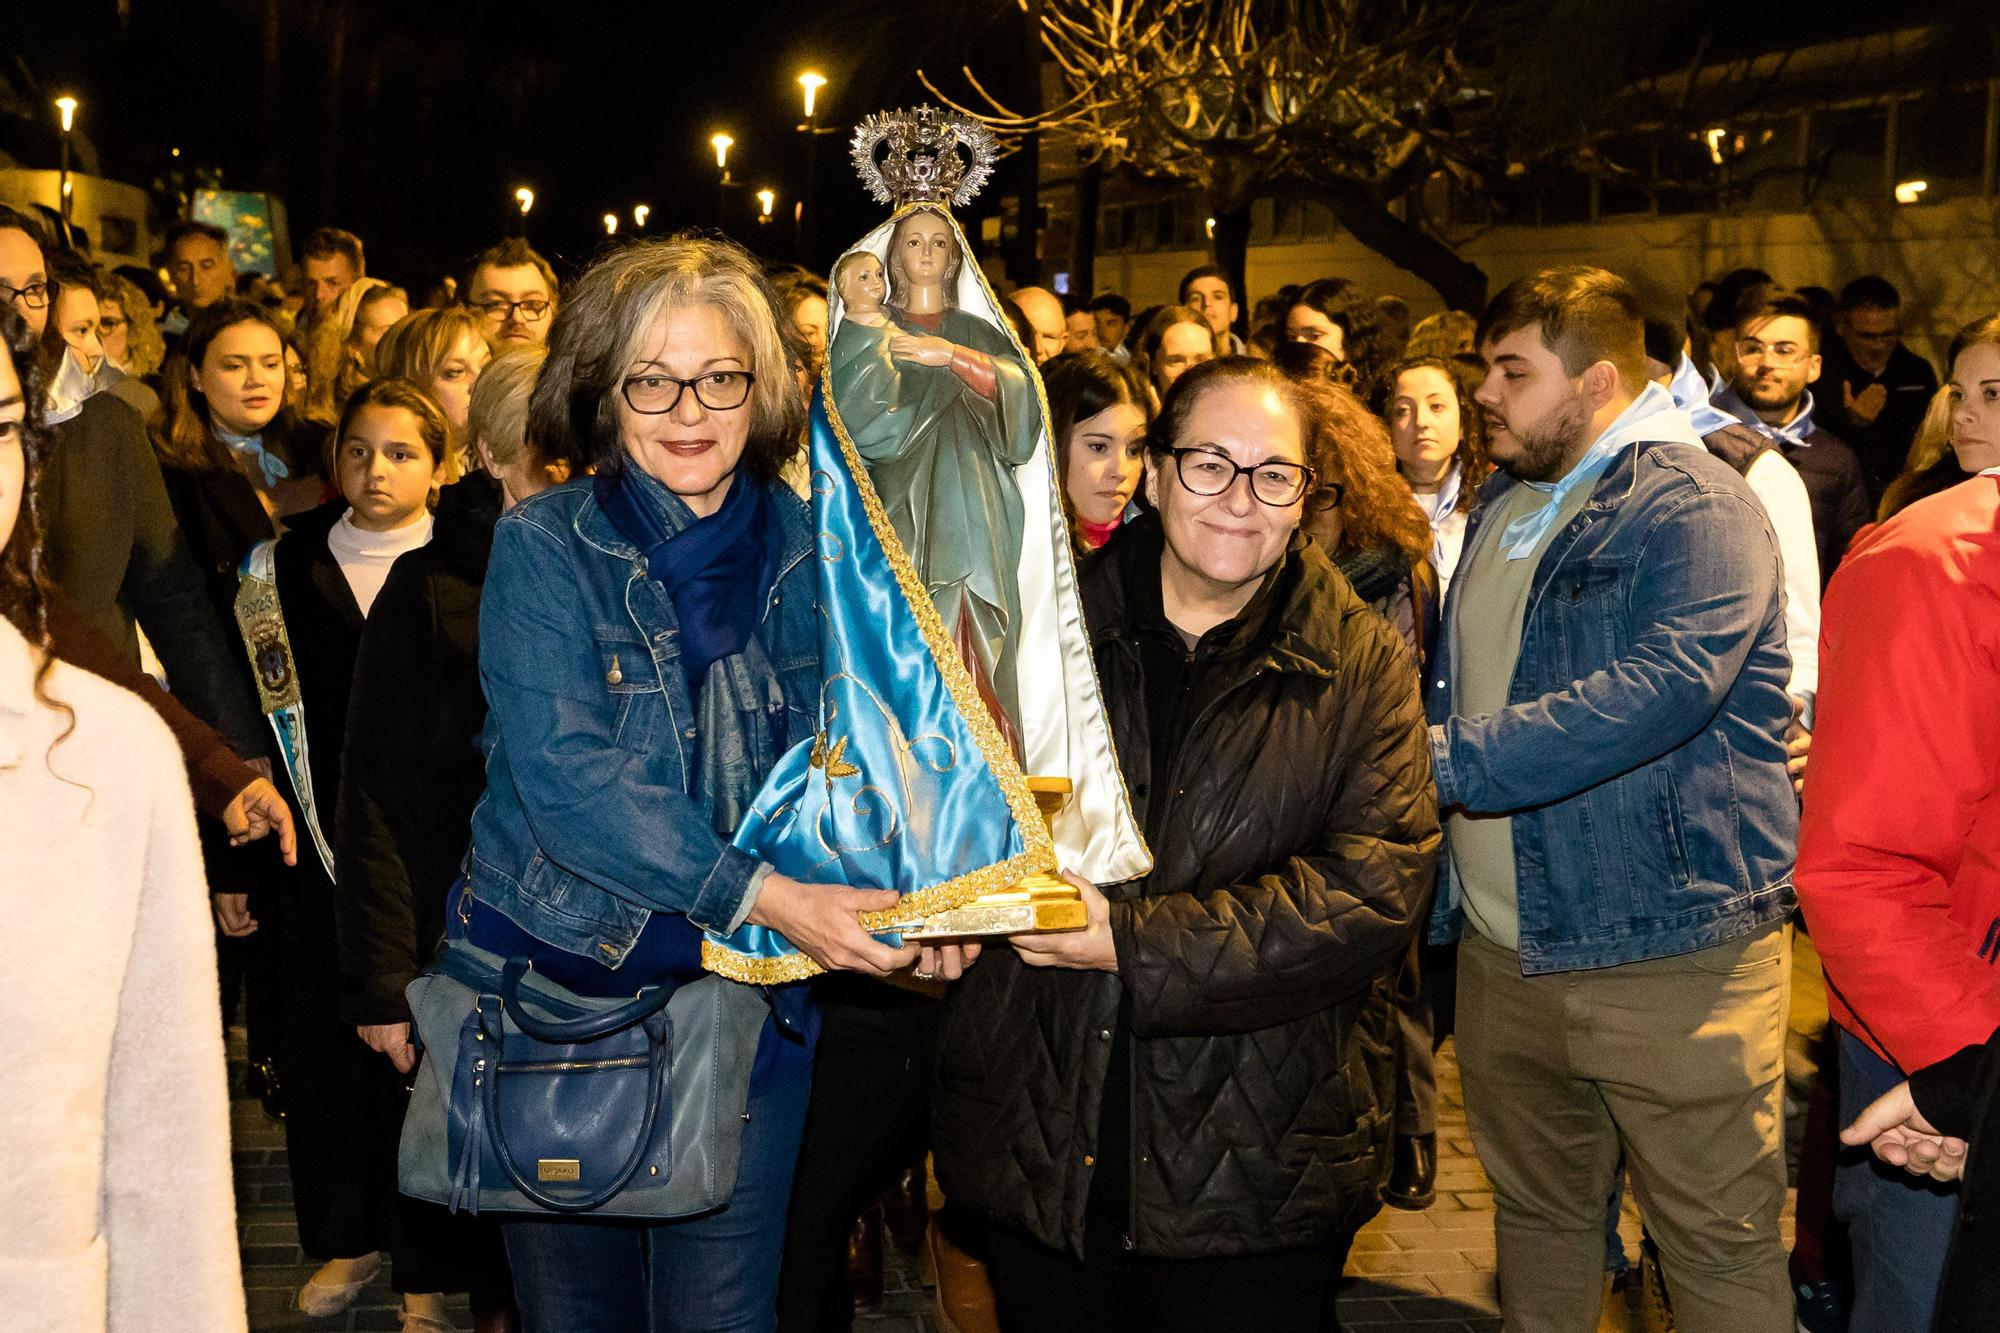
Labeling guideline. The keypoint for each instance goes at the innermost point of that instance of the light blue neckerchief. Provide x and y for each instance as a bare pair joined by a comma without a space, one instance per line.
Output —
1693,396
271,467
1793,432
1653,415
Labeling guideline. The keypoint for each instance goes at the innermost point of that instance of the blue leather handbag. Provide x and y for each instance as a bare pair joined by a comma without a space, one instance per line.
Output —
533,1099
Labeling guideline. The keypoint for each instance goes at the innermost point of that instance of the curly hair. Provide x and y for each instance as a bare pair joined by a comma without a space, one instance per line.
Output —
145,348
1473,463
24,580
1359,320
1349,445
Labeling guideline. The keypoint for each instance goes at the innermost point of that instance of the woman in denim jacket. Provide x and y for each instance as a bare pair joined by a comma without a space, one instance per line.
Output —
650,649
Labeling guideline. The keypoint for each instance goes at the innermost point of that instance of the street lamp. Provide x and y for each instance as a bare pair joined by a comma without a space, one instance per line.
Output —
66,105
767,200
640,212
812,82
721,143
525,197
610,224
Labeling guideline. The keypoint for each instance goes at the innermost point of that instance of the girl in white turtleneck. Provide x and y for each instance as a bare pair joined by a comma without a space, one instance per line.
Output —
343,1102
1440,450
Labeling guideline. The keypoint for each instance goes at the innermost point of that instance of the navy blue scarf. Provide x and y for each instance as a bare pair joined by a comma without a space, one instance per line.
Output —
718,570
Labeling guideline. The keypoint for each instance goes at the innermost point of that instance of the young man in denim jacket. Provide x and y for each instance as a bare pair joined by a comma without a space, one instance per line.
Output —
1608,710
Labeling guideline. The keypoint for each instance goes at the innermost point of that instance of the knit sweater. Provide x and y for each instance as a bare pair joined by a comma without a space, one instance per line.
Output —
116,1208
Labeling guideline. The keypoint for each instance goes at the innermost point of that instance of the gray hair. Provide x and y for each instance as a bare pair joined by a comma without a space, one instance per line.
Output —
573,415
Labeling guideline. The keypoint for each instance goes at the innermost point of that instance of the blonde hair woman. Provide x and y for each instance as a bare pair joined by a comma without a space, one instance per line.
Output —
442,351
341,346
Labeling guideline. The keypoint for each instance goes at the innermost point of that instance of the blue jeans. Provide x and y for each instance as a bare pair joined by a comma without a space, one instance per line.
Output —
717,1273
1898,1225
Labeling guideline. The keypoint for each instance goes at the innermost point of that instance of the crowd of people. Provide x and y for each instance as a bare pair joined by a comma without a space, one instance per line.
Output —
1601,687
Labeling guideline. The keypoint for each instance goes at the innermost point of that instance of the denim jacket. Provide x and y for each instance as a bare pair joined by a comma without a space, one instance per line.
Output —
1641,751
586,827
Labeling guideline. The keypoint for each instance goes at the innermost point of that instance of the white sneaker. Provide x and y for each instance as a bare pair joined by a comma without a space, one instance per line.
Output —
333,1288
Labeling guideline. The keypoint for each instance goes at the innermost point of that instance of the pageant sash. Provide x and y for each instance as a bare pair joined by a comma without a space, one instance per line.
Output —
260,619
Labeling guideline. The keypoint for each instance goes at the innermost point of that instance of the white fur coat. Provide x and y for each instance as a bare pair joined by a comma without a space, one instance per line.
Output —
116,1207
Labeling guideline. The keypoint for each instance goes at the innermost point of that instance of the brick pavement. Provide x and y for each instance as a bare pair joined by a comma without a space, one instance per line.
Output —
1409,1272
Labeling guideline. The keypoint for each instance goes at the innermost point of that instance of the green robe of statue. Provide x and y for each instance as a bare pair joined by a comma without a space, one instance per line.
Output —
941,447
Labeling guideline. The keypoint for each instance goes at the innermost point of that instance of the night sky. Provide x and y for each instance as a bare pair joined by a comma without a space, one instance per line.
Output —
443,107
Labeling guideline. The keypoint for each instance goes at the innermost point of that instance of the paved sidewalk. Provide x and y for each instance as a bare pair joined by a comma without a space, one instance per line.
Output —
1430,1271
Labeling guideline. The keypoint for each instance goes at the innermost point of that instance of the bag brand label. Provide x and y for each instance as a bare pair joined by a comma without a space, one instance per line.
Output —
558,1168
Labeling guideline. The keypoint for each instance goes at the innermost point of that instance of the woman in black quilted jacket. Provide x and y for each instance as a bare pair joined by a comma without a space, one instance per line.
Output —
1177,1118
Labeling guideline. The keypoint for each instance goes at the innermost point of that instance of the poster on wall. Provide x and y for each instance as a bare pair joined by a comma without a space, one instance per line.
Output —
258,237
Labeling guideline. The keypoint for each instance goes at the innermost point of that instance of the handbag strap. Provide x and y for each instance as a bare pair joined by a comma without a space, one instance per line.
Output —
592,1027
662,1056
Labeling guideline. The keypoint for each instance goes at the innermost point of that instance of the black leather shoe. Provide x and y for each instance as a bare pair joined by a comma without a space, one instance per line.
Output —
1413,1180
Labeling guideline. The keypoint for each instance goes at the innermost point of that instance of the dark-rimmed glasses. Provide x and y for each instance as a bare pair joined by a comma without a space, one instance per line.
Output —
34,296
718,391
1274,481
500,310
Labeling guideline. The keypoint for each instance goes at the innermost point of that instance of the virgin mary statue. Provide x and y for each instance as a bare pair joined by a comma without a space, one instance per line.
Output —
958,671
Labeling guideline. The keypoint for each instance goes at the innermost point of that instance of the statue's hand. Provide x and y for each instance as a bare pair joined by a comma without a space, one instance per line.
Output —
922,349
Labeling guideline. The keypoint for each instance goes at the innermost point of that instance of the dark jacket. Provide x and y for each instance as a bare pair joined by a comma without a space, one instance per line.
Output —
1641,751
412,770
1960,1096
1293,839
1883,444
221,517
113,546
1839,494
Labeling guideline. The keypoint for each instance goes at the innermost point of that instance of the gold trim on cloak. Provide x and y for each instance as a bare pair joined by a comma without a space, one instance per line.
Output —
1039,854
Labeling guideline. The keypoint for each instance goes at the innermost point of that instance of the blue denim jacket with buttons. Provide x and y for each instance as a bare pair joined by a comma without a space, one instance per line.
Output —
1641,752
586,827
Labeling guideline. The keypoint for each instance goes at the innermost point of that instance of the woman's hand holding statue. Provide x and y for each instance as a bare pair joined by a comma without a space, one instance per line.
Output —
1086,950
824,920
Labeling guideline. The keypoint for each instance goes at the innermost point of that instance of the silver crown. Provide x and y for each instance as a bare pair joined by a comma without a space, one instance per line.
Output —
932,156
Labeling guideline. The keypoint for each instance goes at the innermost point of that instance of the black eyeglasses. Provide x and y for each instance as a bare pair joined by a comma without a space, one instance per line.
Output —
718,391
1274,481
34,296
501,310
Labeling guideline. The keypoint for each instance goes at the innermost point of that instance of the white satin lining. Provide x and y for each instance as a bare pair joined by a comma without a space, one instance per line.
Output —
1064,730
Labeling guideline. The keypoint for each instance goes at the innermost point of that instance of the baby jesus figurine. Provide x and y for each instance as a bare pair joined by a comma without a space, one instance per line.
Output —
862,286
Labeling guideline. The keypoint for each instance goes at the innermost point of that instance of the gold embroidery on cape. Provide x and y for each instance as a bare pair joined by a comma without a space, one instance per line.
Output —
1039,854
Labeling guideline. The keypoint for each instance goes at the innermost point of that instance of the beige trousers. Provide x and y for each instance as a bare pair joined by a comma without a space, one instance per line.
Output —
1681,1062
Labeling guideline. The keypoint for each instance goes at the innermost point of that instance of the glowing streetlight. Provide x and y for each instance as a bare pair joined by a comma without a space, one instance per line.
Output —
1909,192
610,224
640,212
67,107
525,197
812,83
721,143
767,200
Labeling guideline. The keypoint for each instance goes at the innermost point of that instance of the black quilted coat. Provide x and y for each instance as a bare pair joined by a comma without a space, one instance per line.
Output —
1293,854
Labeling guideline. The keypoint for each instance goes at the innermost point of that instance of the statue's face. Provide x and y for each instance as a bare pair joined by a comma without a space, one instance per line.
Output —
923,249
